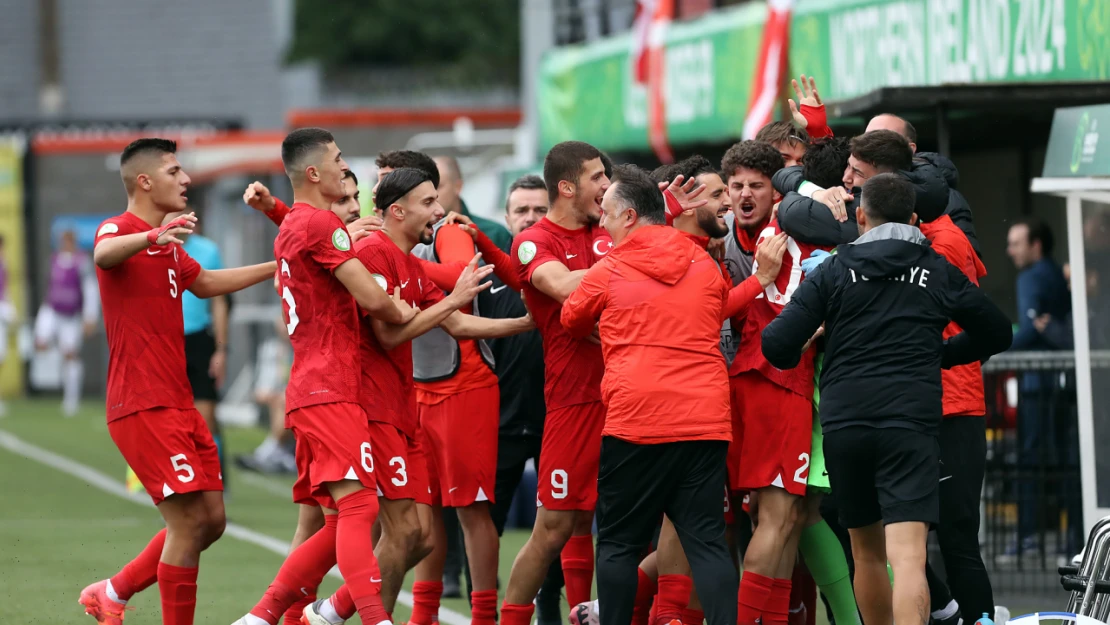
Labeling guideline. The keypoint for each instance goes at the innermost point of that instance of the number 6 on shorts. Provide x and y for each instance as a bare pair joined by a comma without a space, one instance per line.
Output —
558,484
367,459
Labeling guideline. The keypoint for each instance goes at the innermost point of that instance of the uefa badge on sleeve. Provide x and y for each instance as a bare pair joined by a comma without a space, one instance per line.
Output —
380,279
340,240
526,252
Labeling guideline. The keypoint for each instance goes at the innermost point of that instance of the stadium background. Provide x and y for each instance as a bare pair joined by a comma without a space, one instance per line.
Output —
493,82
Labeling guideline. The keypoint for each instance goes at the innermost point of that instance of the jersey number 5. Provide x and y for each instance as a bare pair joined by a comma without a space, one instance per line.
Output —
290,303
173,283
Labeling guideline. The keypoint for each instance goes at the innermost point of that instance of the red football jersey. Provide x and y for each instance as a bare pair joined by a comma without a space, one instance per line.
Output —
320,314
764,309
388,394
573,367
141,298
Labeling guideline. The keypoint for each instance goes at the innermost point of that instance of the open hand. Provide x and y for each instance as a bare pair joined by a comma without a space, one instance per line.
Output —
768,258
465,223
685,191
836,198
807,95
816,257
168,233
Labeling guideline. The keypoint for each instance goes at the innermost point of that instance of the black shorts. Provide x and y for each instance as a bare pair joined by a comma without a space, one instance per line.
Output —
199,348
883,474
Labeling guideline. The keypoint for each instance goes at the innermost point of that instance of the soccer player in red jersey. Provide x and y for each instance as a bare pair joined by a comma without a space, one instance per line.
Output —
551,257
773,407
318,275
410,211
142,271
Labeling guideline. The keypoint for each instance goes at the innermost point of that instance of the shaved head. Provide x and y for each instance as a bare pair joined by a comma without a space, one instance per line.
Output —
449,165
888,121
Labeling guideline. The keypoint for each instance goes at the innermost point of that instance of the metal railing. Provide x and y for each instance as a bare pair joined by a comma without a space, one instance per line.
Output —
1032,503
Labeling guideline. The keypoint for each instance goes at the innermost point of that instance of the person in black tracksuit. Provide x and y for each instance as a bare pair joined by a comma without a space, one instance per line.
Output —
933,178
884,301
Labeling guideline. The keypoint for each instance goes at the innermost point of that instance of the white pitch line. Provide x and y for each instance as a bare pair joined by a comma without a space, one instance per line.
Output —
111,486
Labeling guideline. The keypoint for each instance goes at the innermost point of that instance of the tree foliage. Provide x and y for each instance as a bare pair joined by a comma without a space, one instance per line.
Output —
479,39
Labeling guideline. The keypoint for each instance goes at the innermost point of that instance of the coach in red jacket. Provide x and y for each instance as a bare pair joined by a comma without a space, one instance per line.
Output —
657,300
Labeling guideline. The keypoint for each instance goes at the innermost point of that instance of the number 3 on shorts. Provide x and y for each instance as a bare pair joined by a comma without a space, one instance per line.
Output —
179,466
558,484
802,474
402,477
367,459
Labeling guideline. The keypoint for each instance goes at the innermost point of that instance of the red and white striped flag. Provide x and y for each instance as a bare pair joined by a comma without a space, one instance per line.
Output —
648,67
771,66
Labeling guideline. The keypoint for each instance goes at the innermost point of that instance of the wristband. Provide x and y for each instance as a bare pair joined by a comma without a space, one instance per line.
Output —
817,123
672,206
807,189
152,235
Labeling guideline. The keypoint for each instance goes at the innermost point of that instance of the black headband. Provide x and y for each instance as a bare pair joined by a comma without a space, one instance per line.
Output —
386,200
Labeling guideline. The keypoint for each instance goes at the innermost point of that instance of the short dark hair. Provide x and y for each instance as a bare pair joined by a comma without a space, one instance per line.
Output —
825,161
140,148
1039,231
782,132
888,198
409,158
145,146
757,155
886,150
637,190
299,144
689,167
530,182
564,161
350,174
397,184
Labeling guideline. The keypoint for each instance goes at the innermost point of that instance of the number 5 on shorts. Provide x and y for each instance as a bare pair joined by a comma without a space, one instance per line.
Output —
179,465
558,484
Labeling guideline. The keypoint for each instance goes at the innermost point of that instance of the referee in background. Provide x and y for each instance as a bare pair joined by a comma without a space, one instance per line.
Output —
884,301
657,300
206,338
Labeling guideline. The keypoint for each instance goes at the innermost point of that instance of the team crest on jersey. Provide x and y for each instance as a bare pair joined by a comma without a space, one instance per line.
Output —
526,252
602,247
107,229
341,241
380,279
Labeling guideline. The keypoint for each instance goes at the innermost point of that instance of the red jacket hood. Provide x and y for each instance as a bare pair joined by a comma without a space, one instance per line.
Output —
661,252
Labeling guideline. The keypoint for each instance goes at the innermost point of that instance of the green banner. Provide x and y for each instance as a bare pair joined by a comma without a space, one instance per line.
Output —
587,93
855,46
1079,145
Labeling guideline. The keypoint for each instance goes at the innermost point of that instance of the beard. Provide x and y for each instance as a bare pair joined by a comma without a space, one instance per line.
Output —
425,238
708,222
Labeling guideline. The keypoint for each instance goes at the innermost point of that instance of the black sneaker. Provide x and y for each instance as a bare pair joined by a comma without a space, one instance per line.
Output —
451,589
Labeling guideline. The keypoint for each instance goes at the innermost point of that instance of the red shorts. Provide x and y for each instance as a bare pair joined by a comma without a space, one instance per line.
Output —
403,471
460,439
170,450
569,457
735,390
778,433
333,444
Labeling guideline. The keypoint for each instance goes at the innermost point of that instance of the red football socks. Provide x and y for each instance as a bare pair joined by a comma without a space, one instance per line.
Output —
645,594
300,574
777,611
754,595
355,550
673,597
578,568
513,614
142,572
342,602
178,588
483,607
425,602
296,611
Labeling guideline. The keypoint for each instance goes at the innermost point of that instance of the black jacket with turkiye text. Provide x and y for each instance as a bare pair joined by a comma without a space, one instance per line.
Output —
885,300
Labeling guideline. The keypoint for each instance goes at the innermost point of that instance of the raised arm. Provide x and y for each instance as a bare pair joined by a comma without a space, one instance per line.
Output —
112,251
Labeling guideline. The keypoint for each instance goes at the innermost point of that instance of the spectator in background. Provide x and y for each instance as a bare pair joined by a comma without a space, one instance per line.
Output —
205,338
7,314
1041,289
450,198
68,314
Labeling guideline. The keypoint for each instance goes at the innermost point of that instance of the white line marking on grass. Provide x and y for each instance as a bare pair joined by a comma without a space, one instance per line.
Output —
111,486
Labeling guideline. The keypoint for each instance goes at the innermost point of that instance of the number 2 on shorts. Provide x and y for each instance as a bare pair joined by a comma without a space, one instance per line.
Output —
802,474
